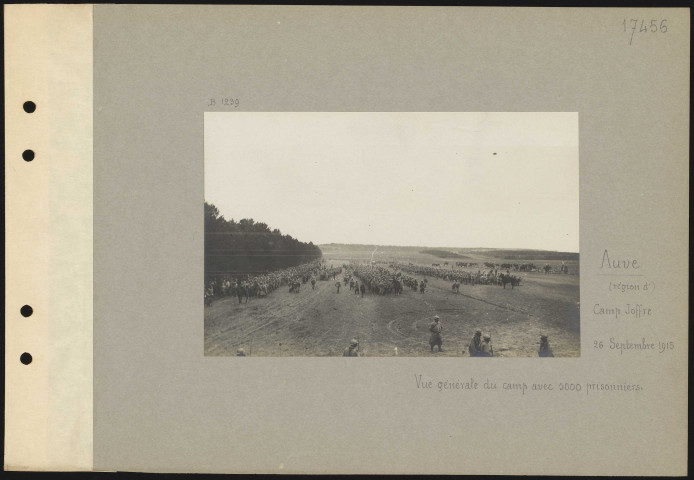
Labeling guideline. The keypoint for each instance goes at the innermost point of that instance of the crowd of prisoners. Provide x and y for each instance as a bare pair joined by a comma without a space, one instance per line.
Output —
491,276
373,277
397,276
246,287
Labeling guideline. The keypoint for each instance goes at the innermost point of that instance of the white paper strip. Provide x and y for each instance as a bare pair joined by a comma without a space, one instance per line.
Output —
48,240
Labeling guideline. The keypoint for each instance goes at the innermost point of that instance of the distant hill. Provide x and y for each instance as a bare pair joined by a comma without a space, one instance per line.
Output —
364,246
529,254
475,254
444,254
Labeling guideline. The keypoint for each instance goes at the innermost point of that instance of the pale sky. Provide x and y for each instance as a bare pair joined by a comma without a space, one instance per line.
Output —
411,179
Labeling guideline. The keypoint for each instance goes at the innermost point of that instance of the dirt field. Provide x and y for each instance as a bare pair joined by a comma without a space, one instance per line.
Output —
321,322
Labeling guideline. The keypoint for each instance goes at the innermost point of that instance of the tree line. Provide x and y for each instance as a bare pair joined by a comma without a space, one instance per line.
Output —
248,247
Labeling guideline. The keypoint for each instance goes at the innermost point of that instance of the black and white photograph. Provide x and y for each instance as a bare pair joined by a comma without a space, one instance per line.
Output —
391,234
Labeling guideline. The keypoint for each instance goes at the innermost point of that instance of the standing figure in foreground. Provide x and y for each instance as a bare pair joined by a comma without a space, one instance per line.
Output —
362,289
352,350
487,350
435,338
475,344
545,350
337,284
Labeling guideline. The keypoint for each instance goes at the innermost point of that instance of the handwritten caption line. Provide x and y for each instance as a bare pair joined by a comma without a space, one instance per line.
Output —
491,384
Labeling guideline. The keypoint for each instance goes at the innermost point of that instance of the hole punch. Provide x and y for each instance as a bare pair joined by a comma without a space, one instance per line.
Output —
26,311
28,155
25,358
29,107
